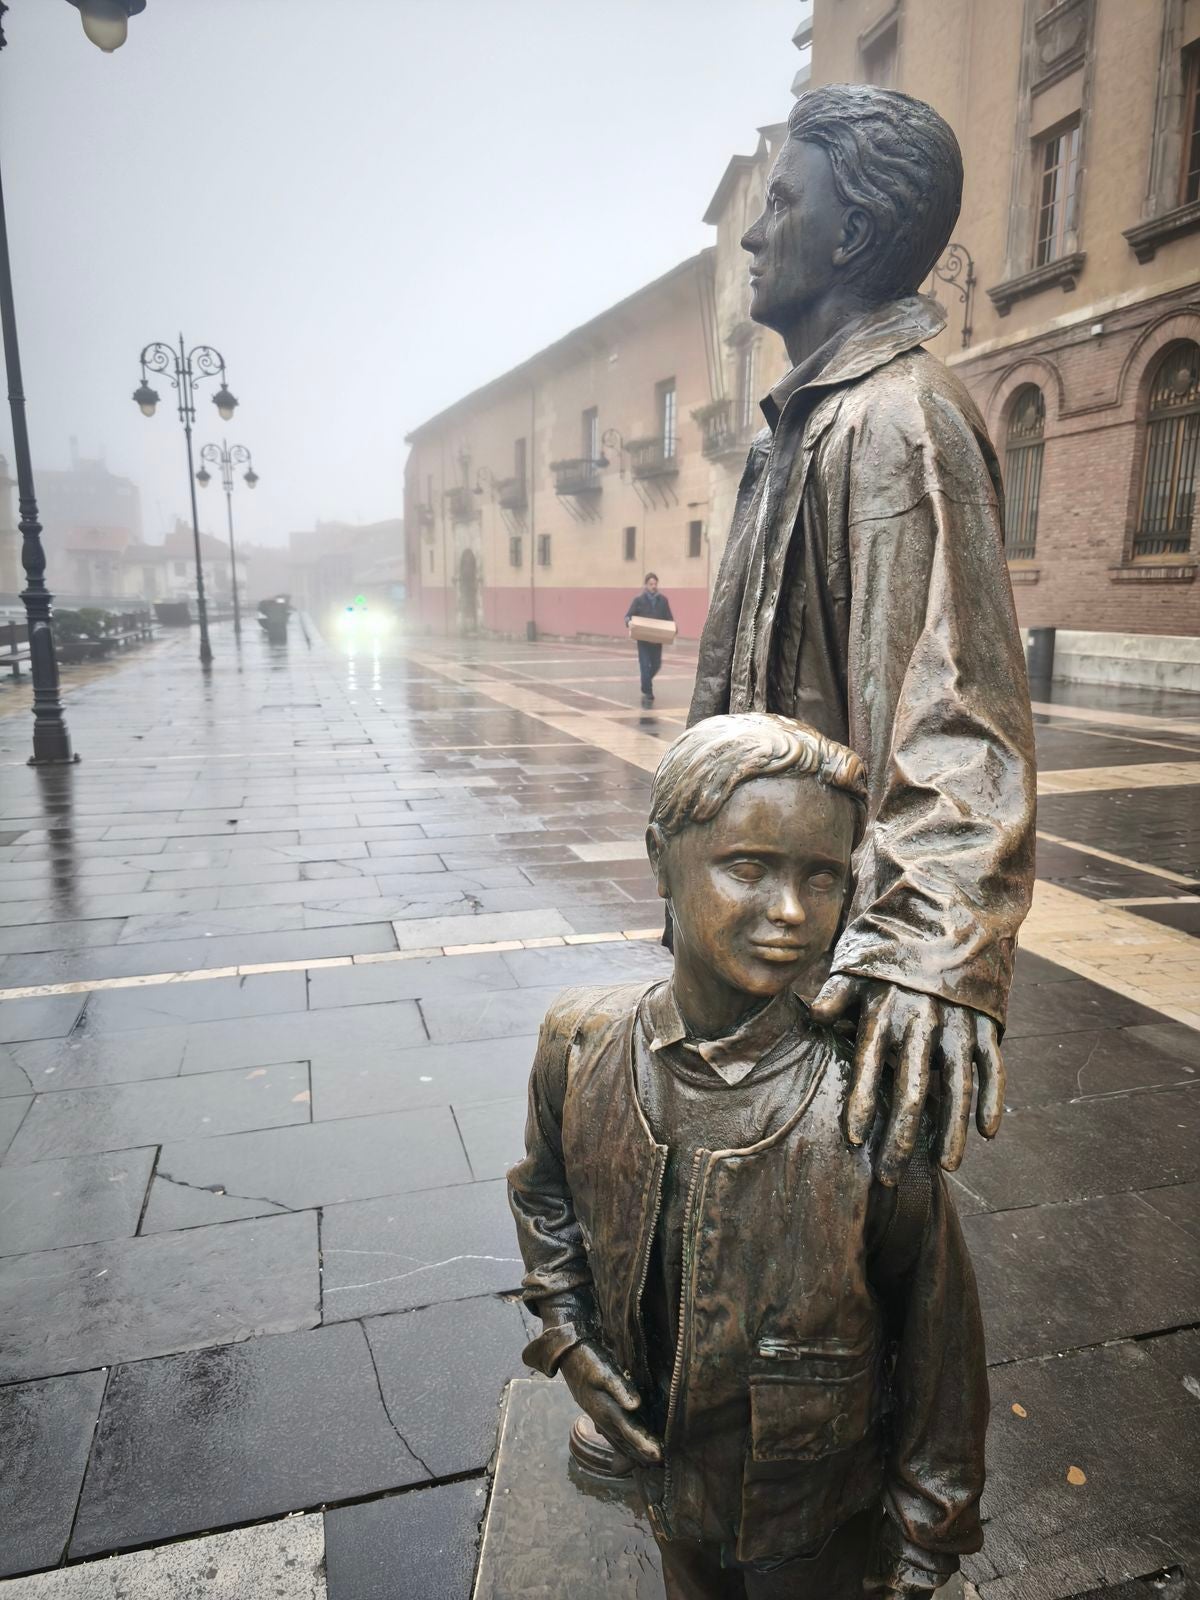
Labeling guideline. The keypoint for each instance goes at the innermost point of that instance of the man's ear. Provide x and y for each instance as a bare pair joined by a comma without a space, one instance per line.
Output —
656,849
858,235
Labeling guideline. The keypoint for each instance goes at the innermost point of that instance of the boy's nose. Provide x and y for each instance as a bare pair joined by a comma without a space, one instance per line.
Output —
788,907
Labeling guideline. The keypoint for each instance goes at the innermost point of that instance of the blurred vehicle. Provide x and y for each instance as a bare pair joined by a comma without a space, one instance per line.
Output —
366,619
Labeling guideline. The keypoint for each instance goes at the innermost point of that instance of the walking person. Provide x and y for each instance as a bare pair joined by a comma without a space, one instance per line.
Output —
650,603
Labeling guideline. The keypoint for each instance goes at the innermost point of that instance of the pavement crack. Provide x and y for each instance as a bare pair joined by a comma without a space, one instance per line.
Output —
424,1023
80,1022
222,1191
387,1409
22,1071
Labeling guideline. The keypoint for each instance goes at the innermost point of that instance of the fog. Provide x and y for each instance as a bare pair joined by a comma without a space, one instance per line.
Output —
369,208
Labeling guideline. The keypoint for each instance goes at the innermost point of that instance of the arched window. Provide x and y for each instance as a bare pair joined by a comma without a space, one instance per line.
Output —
1023,445
1172,446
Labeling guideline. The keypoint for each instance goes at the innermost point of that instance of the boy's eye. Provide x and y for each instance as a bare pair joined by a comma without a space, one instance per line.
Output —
823,880
775,202
746,871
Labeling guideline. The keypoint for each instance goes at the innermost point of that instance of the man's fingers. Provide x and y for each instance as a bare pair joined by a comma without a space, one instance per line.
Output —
990,1108
874,1039
836,997
912,1085
957,1049
622,1391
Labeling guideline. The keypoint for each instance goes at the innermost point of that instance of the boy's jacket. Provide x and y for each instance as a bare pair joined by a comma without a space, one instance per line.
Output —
811,1380
864,590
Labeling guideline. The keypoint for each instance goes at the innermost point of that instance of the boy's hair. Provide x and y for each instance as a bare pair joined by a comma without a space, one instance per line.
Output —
706,764
898,160
650,575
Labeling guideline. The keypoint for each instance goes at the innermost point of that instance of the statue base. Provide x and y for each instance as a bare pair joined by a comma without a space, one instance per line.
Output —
552,1530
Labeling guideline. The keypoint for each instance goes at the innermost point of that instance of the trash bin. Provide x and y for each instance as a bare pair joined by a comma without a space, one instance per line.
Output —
1040,661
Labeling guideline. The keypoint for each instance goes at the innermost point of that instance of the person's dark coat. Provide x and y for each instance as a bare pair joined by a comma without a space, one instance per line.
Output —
864,590
650,603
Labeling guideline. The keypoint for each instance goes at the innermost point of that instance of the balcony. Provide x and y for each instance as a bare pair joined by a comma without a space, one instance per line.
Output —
720,434
580,475
460,504
511,495
648,458
424,515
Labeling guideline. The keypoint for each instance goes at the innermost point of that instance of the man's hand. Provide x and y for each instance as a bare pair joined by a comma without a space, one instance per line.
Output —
916,1031
602,1390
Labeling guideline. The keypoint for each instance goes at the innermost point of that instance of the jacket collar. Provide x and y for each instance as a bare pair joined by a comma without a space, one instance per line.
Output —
738,1052
867,342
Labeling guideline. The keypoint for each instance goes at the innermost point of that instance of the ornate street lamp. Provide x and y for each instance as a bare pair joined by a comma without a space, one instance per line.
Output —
185,368
229,456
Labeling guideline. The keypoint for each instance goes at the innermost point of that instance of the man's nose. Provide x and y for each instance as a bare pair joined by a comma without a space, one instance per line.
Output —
752,239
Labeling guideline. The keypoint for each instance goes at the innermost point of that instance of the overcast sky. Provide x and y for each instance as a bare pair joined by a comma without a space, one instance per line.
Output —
369,207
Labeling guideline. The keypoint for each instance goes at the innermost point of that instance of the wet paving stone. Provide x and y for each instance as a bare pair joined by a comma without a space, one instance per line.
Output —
430,1075
1126,1419
47,1018
212,1000
264,1563
346,1030
80,1200
421,978
1103,1146
442,1370
124,1300
418,1250
489,1016
493,1134
125,1115
429,1535
13,1109
45,1436
82,1061
1179,1203
320,1164
227,1435
428,932
1057,1277
1060,1067
1064,1007
618,961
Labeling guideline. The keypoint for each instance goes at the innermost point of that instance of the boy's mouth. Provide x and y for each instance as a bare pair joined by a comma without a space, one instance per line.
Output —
779,949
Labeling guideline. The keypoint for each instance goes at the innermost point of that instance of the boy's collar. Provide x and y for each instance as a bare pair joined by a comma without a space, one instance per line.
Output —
733,1056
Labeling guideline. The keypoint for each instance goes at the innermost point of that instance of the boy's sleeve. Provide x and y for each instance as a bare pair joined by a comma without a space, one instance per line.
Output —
557,1285
935,1465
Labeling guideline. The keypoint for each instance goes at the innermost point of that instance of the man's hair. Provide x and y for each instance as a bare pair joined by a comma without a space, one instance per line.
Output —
706,764
650,575
896,159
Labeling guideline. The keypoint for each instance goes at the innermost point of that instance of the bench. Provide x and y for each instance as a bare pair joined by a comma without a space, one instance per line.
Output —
14,646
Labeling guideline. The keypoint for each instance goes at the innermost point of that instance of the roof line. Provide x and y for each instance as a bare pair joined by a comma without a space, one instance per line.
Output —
514,373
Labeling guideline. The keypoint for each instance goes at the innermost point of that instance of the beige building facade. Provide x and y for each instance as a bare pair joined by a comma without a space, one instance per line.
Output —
535,504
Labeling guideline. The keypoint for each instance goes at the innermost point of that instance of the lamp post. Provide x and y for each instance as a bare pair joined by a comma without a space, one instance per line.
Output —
51,740
228,456
185,368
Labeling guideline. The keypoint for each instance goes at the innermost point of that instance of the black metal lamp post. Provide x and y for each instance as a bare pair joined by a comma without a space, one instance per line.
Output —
228,456
105,23
185,368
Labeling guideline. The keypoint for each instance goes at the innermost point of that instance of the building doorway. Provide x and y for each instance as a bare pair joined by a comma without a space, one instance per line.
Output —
468,593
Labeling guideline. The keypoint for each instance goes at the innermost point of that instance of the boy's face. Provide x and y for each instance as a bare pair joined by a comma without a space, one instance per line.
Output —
757,892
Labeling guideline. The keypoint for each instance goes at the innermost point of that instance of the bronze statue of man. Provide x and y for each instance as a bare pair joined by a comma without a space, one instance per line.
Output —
864,591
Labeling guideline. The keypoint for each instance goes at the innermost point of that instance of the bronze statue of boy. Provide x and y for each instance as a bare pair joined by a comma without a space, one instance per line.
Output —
788,1350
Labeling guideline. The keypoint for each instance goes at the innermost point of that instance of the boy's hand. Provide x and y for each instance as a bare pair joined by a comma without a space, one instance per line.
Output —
602,1390
912,1029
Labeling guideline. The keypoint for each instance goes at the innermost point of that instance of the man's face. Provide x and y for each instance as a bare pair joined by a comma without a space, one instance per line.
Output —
757,892
652,585
793,243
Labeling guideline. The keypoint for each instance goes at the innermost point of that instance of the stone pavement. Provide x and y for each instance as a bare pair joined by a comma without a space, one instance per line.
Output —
272,959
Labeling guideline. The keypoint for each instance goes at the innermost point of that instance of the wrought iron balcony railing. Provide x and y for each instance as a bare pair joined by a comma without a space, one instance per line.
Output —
510,492
577,475
652,458
460,504
721,434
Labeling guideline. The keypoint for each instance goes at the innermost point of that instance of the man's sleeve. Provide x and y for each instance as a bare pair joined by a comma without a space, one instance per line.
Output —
939,709
935,1463
557,1285
667,617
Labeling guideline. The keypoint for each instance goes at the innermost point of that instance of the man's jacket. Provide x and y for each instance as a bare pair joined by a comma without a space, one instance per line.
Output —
650,603
864,590
810,1381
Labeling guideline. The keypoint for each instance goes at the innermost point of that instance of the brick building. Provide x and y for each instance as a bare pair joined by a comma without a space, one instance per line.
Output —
1079,261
